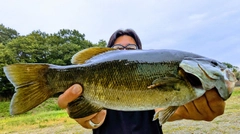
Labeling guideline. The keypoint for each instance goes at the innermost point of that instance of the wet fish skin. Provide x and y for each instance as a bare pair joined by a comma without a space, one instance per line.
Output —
121,80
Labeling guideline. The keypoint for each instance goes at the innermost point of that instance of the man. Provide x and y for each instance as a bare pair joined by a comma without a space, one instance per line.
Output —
207,107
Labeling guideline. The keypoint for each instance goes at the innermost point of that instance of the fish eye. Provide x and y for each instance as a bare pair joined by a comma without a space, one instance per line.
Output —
214,63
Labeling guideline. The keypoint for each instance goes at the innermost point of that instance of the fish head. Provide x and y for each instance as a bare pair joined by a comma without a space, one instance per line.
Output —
211,74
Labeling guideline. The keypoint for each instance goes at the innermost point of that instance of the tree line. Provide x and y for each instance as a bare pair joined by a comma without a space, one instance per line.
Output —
41,47
38,47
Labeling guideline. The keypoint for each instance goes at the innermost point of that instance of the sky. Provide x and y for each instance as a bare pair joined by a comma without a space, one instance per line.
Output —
208,28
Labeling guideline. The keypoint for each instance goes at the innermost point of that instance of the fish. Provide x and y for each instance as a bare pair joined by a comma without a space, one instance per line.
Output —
133,80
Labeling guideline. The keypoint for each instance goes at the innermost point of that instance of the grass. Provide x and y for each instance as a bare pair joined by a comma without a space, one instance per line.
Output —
4,109
48,118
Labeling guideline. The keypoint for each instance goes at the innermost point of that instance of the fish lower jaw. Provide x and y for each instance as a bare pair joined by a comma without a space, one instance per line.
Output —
230,86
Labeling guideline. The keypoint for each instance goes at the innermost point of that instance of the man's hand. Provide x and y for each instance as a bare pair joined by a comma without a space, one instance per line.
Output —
73,93
207,107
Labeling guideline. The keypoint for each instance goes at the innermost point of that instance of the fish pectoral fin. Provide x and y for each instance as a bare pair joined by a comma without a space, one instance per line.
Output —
81,107
164,81
84,55
165,114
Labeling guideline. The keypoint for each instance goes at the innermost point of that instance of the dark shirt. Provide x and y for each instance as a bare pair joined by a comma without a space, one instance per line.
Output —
121,122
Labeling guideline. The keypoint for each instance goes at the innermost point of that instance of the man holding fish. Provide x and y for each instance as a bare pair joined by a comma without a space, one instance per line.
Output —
207,107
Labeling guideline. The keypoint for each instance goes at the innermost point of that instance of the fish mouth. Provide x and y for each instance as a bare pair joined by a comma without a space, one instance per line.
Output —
196,83
193,80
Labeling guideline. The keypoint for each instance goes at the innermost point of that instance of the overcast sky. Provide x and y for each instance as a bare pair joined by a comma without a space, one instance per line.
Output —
207,27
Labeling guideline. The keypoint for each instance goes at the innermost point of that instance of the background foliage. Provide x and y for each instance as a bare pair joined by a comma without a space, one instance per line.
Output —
38,47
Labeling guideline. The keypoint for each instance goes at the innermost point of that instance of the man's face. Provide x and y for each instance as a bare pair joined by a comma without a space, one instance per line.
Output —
125,42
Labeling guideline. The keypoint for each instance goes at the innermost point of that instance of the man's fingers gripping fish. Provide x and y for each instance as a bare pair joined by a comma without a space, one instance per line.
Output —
121,80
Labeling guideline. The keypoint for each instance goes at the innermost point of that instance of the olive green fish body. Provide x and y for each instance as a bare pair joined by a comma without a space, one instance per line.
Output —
121,80
125,87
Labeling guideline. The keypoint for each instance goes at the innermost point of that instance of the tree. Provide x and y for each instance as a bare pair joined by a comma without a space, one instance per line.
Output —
6,88
70,36
7,34
101,43
228,65
64,44
27,49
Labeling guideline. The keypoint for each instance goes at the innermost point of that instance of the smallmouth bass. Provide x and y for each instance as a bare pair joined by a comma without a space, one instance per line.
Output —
121,80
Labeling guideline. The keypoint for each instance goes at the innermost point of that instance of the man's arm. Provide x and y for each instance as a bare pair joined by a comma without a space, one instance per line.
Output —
207,107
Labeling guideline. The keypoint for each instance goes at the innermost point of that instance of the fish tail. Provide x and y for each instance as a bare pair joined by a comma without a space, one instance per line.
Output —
31,88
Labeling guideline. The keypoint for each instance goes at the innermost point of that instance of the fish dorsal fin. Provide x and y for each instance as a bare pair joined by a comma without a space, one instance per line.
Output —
86,54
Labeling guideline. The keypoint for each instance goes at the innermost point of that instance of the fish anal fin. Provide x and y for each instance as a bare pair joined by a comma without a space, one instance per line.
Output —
86,54
81,107
165,114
